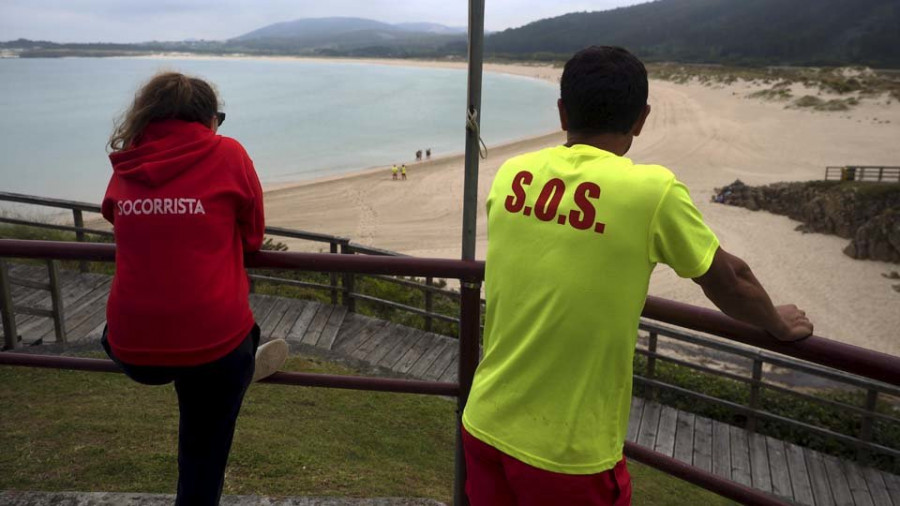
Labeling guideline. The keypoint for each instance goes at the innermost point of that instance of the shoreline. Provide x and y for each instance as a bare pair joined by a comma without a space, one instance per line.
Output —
546,73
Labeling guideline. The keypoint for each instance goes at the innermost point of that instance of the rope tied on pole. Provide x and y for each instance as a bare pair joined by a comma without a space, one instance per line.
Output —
472,125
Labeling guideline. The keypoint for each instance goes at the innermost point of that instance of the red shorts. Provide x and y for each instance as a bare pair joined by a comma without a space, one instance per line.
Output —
493,478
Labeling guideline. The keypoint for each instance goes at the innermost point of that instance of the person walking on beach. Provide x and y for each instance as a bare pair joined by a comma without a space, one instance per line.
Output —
394,172
403,171
574,233
186,204
428,153
419,155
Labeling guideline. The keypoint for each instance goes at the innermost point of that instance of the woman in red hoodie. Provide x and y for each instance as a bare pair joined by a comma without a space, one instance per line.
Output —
186,204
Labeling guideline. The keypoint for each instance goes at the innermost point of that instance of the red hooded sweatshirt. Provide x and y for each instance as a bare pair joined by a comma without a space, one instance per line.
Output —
185,204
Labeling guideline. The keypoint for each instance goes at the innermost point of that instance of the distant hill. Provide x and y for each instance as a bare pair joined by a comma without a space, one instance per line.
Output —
314,28
350,36
793,32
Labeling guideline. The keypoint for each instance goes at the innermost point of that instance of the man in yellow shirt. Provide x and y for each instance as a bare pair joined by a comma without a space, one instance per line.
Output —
574,233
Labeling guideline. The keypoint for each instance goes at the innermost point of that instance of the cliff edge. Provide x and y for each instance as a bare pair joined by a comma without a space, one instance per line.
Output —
866,213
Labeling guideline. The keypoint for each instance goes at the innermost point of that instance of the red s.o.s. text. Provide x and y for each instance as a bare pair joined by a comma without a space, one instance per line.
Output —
546,206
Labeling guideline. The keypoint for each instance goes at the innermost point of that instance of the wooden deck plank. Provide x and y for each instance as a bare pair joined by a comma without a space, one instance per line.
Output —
377,335
332,327
721,457
317,325
634,419
818,478
435,347
387,344
877,487
684,437
299,329
740,457
79,311
351,325
264,304
778,466
800,483
95,315
450,374
266,326
409,338
760,476
858,486
837,478
665,435
412,356
703,440
293,312
892,482
649,424
443,361
365,333
354,334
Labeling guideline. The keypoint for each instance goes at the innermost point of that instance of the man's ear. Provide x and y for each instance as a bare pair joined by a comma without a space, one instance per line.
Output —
639,124
563,118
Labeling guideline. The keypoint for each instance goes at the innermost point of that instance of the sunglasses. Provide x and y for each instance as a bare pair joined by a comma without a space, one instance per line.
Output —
220,117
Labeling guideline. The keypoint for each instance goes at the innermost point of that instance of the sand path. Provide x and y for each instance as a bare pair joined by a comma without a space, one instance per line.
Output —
709,136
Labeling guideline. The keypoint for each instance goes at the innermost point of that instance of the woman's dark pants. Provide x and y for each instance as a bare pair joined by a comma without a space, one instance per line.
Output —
209,399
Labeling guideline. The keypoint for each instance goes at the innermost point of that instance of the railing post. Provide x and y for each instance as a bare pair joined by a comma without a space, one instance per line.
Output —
754,393
651,363
865,429
79,235
429,303
469,333
59,318
880,173
10,333
333,275
348,281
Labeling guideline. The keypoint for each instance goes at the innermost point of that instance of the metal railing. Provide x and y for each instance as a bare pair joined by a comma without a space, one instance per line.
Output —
342,289
866,173
747,367
851,359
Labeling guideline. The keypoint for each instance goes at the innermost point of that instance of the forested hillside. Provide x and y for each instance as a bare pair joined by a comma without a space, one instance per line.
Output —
791,32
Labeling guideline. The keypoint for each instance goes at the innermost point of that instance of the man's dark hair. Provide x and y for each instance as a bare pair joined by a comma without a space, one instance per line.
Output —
604,90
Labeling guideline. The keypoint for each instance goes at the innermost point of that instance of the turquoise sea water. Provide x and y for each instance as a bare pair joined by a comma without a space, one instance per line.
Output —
298,120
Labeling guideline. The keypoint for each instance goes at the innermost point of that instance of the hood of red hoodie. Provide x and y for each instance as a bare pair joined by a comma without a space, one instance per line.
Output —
164,150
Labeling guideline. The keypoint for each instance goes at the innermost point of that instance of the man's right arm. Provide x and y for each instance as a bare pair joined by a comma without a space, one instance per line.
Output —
731,286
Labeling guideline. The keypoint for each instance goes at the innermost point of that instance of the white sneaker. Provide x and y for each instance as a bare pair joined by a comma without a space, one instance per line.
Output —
269,358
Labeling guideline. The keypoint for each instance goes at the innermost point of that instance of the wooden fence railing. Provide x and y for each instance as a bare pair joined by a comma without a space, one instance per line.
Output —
748,366
342,288
870,365
865,173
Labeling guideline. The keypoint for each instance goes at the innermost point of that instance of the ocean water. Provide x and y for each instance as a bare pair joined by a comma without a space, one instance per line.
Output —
298,120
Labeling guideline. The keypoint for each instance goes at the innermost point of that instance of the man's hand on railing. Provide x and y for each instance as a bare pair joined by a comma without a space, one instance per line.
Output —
795,325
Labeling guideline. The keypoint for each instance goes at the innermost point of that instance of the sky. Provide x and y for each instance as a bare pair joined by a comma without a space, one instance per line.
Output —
146,20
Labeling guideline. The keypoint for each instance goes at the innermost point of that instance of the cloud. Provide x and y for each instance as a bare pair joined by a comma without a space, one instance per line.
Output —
141,20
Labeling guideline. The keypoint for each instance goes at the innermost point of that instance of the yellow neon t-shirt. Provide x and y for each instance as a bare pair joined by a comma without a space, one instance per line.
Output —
573,235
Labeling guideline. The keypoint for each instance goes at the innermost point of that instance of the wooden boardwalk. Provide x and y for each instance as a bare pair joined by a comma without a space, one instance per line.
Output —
797,474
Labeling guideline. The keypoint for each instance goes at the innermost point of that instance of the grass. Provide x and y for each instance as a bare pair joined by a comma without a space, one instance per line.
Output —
816,103
861,82
66,430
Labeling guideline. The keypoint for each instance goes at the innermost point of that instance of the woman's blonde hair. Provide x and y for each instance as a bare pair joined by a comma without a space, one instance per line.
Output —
168,95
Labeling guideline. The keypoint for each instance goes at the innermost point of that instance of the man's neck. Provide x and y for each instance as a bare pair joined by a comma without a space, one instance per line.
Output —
617,144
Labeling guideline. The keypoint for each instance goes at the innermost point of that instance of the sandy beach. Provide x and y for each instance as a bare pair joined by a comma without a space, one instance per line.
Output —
709,136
